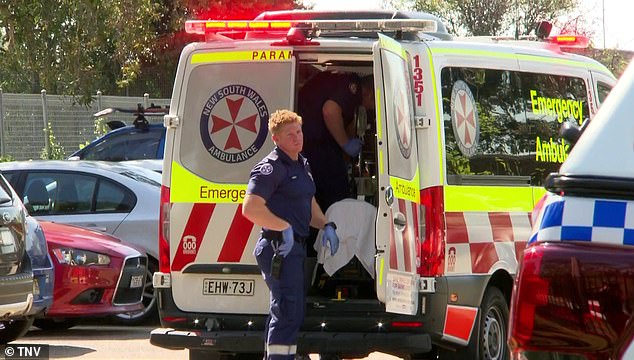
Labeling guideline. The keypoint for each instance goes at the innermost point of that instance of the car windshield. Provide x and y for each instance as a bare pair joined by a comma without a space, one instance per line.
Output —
5,191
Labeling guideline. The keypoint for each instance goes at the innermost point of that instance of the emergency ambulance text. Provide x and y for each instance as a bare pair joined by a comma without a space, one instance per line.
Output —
562,108
550,151
235,195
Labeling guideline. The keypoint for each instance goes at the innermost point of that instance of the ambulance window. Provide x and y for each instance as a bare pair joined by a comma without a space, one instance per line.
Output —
227,110
549,101
398,113
603,90
485,126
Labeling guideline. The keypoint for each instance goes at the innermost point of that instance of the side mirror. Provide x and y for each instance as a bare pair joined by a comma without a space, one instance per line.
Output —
571,133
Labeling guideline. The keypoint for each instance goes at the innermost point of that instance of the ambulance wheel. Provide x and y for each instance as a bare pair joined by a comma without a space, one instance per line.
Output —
149,311
493,329
489,342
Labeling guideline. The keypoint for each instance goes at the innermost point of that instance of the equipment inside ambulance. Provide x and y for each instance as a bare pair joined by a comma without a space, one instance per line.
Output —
454,158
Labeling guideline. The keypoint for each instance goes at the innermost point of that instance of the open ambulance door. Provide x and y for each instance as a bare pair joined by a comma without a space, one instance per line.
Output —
226,97
399,189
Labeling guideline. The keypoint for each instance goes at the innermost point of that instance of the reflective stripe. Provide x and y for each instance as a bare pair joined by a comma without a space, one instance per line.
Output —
250,55
379,129
488,198
381,169
406,189
526,57
190,188
459,322
281,349
439,124
392,45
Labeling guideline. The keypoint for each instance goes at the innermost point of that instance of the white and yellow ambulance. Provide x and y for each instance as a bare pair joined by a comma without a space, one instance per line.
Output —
463,135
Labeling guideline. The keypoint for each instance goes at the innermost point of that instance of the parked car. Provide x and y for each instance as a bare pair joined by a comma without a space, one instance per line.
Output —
16,276
151,164
42,266
574,292
121,200
96,274
138,141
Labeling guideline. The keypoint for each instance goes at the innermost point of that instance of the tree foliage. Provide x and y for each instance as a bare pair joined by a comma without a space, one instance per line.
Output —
72,47
76,47
494,17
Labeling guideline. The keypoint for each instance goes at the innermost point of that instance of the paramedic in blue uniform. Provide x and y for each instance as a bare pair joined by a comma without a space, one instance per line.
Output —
328,103
280,199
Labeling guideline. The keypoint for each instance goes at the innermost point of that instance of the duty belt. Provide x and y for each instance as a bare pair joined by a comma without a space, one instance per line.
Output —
273,235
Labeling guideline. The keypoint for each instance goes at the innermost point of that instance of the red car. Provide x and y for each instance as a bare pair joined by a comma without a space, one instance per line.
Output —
95,275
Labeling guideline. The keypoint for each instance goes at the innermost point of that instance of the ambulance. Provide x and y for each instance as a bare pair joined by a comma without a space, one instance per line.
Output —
463,134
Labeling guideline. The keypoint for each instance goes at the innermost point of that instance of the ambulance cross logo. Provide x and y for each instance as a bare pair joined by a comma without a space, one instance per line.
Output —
464,118
403,124
233,123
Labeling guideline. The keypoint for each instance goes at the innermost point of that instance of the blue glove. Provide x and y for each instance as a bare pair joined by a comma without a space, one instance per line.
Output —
353,147
288,239
330,236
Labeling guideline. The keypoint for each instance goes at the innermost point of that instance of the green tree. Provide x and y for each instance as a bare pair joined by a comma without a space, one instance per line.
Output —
159,66
494,17
73,47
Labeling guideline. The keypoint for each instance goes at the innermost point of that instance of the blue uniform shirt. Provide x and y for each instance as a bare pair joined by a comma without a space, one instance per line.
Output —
287,186
344,89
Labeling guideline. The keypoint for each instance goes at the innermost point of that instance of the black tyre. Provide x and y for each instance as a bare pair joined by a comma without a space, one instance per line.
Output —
150,310
489,342
209,355
51,324
11,330
493,329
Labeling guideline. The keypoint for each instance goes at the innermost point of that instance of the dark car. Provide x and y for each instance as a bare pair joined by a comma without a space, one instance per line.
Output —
125,143
16,275
574,291
138,141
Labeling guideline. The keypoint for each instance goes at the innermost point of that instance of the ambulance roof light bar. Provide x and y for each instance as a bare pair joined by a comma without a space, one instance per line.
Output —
570,41
204,27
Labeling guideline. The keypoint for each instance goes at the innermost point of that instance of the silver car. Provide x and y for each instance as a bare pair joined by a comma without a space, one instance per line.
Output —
122,200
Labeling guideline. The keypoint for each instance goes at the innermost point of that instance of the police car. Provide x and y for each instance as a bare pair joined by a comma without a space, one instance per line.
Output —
574,294
465,132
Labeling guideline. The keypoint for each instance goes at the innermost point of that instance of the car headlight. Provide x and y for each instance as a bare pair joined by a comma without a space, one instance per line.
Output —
80,257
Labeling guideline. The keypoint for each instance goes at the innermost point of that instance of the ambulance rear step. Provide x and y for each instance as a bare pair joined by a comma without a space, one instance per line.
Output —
308,342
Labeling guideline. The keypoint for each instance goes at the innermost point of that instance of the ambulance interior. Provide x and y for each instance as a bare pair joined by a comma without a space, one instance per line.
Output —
352,267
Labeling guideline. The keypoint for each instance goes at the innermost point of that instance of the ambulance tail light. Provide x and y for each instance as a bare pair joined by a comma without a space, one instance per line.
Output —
164,228
531,292
432,232
570,41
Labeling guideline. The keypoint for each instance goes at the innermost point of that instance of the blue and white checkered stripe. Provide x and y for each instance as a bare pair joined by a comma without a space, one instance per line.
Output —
585,219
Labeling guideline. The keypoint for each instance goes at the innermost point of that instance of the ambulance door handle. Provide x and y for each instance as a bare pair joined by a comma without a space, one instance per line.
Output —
399,221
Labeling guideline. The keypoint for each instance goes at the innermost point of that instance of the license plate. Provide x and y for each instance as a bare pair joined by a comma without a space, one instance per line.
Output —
136,281
228,287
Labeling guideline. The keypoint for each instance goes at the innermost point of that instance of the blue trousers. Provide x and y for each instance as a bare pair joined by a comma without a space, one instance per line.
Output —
287,299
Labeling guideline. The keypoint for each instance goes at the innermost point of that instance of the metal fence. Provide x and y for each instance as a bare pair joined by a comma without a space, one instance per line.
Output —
23,119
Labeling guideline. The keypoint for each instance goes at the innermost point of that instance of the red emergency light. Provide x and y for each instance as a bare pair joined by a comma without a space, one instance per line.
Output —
574,41
202,27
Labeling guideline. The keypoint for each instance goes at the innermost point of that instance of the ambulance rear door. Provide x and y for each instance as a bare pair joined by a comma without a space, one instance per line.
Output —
399,189
225,99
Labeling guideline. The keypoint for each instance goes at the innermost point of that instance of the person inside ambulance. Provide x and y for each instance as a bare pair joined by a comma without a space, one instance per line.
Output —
328,103
280,199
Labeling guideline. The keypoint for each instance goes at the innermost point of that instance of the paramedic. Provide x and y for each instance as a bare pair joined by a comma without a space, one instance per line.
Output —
280,199
328,103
